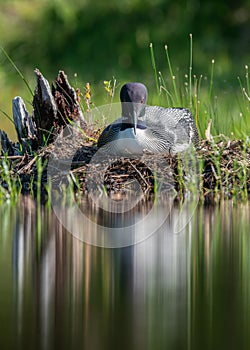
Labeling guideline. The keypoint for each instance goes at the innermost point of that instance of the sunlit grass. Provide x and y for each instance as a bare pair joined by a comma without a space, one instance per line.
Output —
227,106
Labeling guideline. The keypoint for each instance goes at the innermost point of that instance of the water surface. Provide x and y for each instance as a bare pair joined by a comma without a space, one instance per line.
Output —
187,289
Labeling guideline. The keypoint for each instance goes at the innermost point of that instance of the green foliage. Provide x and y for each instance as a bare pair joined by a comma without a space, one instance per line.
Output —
101,39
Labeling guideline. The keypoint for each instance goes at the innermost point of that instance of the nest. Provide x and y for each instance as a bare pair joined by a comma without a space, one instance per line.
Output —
221,171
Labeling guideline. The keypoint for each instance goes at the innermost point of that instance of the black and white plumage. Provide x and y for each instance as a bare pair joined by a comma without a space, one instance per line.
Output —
152,128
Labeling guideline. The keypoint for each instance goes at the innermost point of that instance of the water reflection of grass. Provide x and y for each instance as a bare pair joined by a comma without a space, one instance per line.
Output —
191,287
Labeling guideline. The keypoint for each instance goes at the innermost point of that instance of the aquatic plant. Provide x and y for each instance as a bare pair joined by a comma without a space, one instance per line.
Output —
10,184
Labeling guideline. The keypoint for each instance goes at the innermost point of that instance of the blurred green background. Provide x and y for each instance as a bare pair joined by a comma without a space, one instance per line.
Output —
100,39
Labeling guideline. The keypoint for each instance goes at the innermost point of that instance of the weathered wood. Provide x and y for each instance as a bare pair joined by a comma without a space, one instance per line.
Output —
52,111
45,110
68,108
7,145
24,124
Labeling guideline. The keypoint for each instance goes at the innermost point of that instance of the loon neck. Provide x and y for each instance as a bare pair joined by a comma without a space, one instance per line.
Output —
127,124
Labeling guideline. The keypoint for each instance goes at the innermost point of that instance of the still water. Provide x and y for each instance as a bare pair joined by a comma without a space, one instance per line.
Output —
186,288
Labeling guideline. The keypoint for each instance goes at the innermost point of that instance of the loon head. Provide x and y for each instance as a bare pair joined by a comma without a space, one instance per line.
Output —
133,98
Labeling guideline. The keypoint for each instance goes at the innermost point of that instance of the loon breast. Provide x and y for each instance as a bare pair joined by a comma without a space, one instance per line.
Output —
119,140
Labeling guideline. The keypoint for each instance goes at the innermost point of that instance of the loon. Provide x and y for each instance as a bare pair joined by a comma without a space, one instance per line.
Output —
151,128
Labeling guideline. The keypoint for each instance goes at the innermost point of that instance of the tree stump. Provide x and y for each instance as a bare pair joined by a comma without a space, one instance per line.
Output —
52,111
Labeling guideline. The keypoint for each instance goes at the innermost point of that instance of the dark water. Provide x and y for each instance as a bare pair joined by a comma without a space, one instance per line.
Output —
174,290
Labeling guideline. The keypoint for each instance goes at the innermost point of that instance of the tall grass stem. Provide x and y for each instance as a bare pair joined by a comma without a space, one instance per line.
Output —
154,67
211,80
177,100
190,69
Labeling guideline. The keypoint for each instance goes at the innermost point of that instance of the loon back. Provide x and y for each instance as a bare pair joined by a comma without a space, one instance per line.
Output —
179,121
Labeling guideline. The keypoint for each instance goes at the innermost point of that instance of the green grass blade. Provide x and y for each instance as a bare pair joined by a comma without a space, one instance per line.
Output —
17,69
211,81
177,100
190,69
247,80
154,67
7,116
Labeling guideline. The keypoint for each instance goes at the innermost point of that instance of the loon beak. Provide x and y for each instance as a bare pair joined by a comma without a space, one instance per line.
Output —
134,120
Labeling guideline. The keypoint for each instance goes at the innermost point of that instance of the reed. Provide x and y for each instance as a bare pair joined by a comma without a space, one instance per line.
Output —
229,109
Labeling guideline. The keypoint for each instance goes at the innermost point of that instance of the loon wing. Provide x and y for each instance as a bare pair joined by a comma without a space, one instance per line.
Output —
178,120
